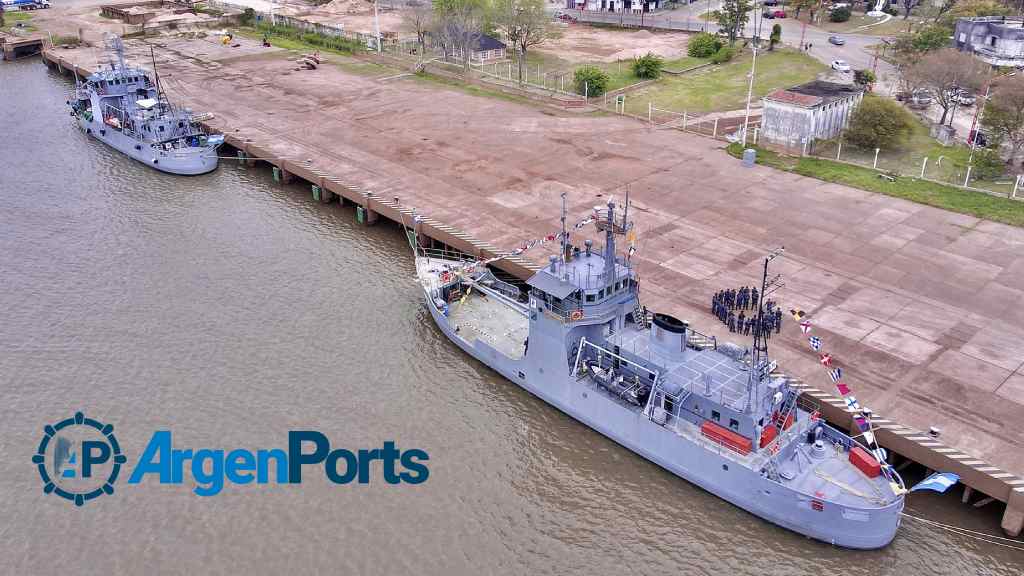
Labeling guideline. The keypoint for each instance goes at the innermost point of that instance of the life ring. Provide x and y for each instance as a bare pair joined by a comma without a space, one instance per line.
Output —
445,276
576,315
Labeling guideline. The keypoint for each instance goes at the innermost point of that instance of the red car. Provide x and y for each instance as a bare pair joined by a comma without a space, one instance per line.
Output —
774,14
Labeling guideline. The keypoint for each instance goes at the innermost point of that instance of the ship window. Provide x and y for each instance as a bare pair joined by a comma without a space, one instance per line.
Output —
590,297
600,293
715,415
734,424
161,128
618,286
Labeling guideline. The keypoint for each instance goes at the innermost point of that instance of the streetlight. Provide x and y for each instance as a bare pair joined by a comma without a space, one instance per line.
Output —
750,93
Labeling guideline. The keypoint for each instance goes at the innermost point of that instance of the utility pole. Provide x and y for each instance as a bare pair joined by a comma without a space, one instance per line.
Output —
750,93
376,27
979,111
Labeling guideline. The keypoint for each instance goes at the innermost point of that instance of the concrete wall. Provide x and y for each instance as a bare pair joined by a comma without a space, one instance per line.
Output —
787,127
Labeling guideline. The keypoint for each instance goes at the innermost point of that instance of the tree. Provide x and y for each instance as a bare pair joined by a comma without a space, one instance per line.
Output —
524,24
724,54
776,36
942,73
648,66
924,40
908,5
460,25
878,123
863,77
590,81
972,9
703,45
799,5
943,8
841,14
1004,113
418,18
732,17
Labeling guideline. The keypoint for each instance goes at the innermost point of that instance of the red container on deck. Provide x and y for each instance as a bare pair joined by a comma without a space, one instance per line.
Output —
726,437
767,435
865,462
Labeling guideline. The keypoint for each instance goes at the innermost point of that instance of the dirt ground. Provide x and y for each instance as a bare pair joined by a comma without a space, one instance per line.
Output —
356,16
578,43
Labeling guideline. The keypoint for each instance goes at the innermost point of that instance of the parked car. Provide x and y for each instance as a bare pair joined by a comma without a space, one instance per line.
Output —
770,14
771,2
964,98
566,18
920,98
837,40
840,66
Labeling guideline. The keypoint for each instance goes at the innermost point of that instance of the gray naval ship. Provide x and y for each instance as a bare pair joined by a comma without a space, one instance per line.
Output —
714,414
124,108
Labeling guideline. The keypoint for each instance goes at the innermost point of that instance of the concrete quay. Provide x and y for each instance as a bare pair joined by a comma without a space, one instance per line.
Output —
922,308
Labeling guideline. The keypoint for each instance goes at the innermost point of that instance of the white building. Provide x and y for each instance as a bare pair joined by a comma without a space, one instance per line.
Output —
997,40
794,118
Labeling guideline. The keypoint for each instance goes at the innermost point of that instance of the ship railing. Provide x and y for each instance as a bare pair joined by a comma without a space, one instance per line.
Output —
700,341
444,254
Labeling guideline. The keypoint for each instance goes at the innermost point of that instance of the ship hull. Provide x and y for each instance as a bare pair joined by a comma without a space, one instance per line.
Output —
190,162
717,473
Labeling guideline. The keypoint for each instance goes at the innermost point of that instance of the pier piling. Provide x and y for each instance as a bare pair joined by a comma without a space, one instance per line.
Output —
1013,518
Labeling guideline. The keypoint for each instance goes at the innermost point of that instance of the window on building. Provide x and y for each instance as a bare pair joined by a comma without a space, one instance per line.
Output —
716,416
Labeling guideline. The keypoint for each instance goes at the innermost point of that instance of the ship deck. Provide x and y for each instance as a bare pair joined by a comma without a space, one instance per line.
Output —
477,316
687,371
480,317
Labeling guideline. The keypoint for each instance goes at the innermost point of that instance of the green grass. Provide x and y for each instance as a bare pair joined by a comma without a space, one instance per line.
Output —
295,39
893,27
12,19
724,87
909,157
950,198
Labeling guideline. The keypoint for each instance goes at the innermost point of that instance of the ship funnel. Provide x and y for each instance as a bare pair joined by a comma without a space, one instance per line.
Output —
668,335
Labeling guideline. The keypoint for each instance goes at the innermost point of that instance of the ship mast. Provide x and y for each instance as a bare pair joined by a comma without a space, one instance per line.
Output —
565,237
759,355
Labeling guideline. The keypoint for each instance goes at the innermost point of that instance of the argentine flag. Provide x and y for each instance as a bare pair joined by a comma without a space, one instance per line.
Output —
938,482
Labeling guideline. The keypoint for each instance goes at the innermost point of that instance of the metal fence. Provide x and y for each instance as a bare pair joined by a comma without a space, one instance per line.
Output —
950,170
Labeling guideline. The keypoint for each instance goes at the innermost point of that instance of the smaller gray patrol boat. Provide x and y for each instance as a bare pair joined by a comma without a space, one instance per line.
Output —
124,108
717,415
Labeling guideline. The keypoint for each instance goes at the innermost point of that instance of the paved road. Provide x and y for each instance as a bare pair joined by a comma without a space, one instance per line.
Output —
855,52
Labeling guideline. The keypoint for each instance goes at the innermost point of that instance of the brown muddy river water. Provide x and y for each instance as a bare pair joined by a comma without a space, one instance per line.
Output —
229,310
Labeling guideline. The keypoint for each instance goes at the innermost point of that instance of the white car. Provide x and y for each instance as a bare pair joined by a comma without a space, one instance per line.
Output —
840,65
